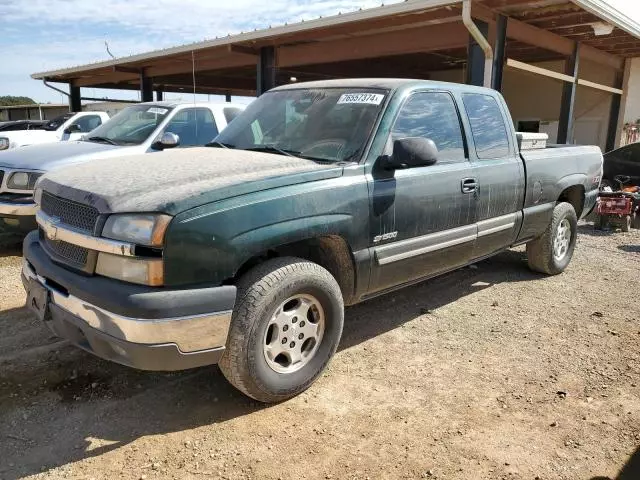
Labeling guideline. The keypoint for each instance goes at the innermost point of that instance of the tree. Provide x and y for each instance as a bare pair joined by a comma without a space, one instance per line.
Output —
9,100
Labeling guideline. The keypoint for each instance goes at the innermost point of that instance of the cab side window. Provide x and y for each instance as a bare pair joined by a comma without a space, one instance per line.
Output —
432,115
194,126
88,123
487,126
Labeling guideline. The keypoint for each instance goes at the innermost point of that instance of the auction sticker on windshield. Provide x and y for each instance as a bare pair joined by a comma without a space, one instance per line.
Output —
157,110
368,98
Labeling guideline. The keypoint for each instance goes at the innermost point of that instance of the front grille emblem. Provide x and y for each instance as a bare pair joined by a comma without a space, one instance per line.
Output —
52,228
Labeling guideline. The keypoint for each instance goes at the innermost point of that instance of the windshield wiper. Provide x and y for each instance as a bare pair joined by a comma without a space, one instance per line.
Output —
274,149
102,140
219,145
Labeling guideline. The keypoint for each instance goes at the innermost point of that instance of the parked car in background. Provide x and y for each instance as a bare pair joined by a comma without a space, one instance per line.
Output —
622,161
140,128
70,126
22,125
318,195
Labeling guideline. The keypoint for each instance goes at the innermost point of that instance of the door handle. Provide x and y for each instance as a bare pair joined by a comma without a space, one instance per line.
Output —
469,185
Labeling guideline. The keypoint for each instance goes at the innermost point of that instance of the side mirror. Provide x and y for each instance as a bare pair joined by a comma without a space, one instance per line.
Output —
412,152
167,140
73,128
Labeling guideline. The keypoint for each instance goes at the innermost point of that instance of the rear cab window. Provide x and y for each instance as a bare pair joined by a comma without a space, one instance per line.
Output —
487,126
230,113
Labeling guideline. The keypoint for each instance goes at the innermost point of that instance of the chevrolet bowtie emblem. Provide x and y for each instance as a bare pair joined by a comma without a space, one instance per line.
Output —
52,228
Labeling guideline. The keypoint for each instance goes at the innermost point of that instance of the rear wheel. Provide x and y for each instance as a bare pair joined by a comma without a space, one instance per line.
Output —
285,328
552,251
625,223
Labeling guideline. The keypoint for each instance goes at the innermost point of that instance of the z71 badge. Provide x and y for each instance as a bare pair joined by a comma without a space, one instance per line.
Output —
385,236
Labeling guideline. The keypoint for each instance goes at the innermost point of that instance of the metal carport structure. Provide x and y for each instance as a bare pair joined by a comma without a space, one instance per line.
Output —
480,39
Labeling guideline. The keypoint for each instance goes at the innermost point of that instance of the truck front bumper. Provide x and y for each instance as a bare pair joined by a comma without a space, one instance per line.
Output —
141,327
17,217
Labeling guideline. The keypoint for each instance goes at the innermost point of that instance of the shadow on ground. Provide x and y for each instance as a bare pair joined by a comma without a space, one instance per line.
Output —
53,410
630,471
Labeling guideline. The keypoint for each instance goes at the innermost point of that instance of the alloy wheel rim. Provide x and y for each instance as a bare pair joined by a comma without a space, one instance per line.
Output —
294,333
562,240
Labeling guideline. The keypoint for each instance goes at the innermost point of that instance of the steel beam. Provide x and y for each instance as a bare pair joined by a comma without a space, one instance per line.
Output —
614,113
146,88
499,53
475,57
75,102
565,125
159,94
266,73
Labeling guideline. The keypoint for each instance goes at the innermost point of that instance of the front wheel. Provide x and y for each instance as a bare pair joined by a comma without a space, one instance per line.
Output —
552,251
285,328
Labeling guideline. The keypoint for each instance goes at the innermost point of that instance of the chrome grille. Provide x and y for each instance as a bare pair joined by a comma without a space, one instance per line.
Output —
72,254
77,215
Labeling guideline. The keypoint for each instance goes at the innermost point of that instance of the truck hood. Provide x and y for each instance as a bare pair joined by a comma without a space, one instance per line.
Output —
29,137
49,156
177,180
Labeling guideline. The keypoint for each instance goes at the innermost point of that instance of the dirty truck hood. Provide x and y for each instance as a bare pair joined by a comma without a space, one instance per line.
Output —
49,156
177,180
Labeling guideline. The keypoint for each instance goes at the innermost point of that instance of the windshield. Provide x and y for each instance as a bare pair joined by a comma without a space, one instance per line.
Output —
130,126
329,124
56,122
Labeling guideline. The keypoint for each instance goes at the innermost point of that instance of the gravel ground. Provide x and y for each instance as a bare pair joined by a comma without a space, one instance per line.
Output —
490,372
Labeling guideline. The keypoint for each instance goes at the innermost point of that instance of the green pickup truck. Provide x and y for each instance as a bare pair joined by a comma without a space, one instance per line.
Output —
319,195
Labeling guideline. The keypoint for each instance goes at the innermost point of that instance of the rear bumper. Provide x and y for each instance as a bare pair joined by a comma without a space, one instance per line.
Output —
143,332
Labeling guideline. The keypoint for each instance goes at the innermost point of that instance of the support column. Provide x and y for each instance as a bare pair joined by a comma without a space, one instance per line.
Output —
146,88
227,98
159,95
475,57
565,125
499,53
75,104
614,112
266,74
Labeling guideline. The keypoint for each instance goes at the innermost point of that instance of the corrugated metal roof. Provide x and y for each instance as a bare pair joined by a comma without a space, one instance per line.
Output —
610,14
362,14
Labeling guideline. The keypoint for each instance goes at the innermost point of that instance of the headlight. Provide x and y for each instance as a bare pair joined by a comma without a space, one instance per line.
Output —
144,229
4,143
23,180
131,269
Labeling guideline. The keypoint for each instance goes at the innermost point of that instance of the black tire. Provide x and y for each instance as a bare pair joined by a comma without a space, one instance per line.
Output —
635,222
625,223
540,251
260,292
599,223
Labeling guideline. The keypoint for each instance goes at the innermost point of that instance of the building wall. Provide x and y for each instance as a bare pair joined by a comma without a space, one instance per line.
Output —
52,111
32,113
532,97
632,105
110,107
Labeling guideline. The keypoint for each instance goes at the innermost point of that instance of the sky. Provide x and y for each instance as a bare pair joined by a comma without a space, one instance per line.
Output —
40,35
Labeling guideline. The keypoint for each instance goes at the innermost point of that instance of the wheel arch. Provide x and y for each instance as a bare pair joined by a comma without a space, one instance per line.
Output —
330,251
575,195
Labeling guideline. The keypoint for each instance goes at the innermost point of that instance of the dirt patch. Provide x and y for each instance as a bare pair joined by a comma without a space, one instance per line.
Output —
487,373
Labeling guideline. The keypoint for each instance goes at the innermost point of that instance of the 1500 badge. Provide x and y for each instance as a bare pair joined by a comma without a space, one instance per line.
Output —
384,236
